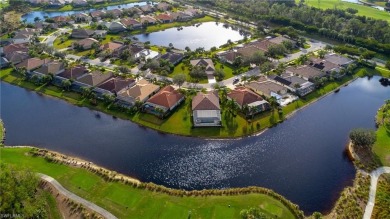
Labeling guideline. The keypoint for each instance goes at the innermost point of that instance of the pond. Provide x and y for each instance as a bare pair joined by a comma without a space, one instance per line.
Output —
29,17
302,158
204,35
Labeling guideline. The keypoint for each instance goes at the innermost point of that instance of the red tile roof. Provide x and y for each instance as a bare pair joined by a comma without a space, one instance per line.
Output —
111,46
166,97
164,17
129,21
244,96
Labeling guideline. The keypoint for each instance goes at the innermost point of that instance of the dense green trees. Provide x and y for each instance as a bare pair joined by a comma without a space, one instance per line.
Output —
332,23
253,213
18,192
179,79
362,137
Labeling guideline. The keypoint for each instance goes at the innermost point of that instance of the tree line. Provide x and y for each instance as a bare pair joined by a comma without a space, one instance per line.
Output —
342,25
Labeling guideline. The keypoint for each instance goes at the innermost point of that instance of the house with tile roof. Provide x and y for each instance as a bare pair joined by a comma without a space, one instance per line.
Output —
81,17
294,83
164,18
173,57
116,13
17,57
307,72
111,46
82,33
248,101
54,67
206,110
72,73
85,44
164,101
162,6
131,23
146,20
97,15
147,8
207,64
32,63
141,92
115,85
268,88
93,79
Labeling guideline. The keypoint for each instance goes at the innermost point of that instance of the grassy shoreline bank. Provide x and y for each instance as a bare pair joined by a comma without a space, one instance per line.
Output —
127,200
179,123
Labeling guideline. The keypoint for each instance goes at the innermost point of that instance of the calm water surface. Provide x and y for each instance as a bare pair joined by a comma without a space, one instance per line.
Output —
205,35
42,14
301,158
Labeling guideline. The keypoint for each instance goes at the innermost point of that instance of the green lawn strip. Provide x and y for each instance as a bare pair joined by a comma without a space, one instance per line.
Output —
1,131
381,147
126,201
362,9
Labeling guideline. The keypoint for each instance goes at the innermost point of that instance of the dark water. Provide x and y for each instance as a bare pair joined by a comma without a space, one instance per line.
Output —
41,14
301,159
205,35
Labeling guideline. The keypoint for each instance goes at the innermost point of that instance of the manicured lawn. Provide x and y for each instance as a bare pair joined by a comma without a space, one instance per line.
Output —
125,201
84,53
362,10
59,45
1,130
381,147
179,70
109,38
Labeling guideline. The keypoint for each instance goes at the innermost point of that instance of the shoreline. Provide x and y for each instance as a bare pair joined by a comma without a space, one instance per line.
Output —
112,176
257,133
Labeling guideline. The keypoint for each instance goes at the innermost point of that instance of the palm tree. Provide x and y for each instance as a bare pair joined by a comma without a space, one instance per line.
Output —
108,98
66,84
273,103
86,91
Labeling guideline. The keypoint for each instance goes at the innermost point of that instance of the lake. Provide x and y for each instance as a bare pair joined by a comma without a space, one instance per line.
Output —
42,14
204,35
302,158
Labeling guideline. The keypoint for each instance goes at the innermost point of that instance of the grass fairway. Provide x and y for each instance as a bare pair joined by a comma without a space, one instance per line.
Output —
124,201
362,10
381,147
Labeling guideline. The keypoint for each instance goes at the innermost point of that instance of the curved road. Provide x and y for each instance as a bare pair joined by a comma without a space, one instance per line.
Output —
374,181
76,198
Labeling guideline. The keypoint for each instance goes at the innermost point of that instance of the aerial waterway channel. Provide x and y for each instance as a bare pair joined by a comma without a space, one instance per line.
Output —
302,158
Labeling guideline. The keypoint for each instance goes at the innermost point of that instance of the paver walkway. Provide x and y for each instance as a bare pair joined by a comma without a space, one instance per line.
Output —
76,198
374,181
